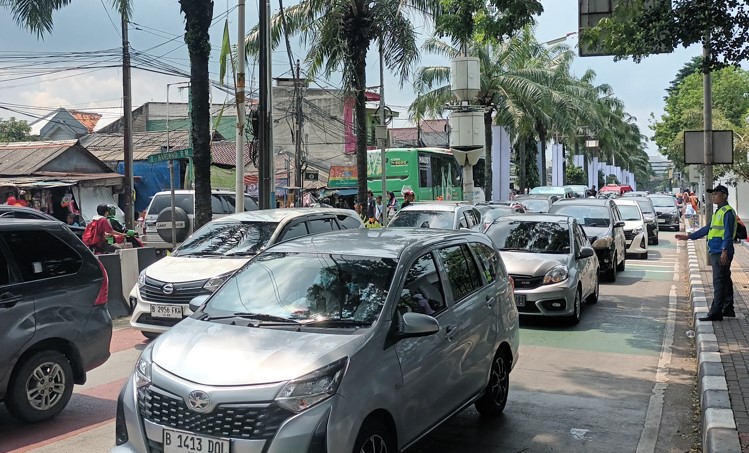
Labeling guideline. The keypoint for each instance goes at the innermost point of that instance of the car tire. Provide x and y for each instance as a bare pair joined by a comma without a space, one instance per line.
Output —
593,298
620,266
655,241
611,273
574,318
149,335
644,256
374,437
49,375
494,399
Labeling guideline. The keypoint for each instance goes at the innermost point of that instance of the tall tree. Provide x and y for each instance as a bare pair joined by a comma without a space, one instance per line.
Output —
14,130
36,16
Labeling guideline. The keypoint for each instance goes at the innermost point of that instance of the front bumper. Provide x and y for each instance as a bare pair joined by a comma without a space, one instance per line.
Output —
668,221
636,243
557,299
308,431
145,319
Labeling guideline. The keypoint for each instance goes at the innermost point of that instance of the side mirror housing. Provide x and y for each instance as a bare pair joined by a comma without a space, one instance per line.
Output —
197,302
417,325
586,252
619,224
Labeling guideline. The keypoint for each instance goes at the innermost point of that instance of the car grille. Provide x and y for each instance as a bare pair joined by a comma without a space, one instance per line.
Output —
145,318
530,307
229,420
526,282
629,235
183,292
665,215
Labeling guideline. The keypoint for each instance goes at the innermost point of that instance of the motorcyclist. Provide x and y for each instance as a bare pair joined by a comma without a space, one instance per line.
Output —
130,235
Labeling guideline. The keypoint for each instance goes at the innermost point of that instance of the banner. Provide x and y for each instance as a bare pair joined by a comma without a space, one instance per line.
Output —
342,176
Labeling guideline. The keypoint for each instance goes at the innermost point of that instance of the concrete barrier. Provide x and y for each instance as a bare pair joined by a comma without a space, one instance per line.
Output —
122,269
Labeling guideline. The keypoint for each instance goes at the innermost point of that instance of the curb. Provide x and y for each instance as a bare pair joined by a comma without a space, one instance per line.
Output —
719,433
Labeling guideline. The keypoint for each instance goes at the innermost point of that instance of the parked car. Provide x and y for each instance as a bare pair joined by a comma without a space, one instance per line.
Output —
635,230
551,262
157,224
441,215
580,190
20,212
617,189
603,224
539,204
207,258
667,211
649,214
374,339
53,316
493,210
560,191
636,193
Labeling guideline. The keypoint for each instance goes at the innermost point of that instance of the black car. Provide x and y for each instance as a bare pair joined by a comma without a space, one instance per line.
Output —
53,316
20,212
667,212
604,226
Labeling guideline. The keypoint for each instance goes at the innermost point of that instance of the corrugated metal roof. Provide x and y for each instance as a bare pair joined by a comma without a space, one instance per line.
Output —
110,147
24,158
54,179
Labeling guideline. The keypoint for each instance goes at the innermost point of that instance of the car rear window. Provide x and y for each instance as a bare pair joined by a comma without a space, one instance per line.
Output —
423,219
40,255
164,201
228,239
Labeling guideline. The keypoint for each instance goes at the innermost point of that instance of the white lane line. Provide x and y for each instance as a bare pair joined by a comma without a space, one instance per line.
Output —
649,435
650,265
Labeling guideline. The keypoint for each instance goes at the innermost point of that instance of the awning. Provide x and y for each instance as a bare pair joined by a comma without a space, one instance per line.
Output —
342,192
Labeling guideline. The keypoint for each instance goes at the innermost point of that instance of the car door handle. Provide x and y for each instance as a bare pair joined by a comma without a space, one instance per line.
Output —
490,301
450,332
8,300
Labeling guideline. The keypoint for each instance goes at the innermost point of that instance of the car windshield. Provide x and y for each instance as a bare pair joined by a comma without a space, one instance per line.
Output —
497,212
629,212
535,205
663,202
163,201
530,236
228,239
547,190
423,219
645,207
306,287
590,216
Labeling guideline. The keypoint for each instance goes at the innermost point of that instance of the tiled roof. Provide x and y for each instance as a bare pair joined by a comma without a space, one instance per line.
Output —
87,119
225,152
436,125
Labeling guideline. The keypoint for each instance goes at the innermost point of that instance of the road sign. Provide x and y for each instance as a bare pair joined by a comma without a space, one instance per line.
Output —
171,155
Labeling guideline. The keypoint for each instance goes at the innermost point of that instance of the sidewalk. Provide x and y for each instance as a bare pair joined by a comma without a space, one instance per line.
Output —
723,354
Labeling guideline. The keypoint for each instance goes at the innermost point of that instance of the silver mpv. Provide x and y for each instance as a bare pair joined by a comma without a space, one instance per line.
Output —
353,341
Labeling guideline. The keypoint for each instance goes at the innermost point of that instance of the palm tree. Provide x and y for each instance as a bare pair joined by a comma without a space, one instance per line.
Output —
36,16
341,33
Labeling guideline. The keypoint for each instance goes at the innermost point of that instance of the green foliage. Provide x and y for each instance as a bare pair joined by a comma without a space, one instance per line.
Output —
36,16
575,175
601,179
612,179
640,28
13,130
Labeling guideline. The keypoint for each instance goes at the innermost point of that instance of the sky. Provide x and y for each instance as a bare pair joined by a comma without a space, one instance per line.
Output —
157,27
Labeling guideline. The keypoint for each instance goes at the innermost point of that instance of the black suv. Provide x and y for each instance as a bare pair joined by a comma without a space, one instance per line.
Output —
53,316
604,226
20,212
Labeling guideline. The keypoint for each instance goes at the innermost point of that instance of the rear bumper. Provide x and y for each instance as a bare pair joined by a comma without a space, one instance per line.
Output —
94,339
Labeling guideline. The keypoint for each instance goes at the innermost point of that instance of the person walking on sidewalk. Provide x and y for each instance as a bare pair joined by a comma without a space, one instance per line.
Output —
720,233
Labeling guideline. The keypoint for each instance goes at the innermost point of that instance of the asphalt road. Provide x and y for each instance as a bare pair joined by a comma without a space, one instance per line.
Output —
623,380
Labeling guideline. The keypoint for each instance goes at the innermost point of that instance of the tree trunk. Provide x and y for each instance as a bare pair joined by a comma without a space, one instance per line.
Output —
198,16
523,172
488,154
360,85
542,138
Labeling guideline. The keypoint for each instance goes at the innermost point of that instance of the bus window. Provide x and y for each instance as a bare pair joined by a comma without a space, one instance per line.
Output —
425,170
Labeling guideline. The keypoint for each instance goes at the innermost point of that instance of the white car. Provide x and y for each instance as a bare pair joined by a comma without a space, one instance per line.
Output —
206,259
635,229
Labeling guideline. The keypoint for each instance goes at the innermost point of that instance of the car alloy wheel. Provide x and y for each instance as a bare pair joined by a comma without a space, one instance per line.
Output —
45,386
374,444
493,402
574,318
374,437
41,387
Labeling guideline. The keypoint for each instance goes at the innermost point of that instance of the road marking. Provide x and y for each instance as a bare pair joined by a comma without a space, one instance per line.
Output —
649,435
649,265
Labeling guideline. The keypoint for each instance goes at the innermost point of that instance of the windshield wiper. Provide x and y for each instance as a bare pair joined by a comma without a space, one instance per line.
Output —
510,249
337,323
253,316
244,253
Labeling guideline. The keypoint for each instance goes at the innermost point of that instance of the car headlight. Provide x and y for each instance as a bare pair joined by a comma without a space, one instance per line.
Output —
142,279
649,217
213,284
143,369
603,242
555,275
302,393
637,231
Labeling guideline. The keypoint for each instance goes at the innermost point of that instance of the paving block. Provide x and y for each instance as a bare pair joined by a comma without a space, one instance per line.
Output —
715,399
718,418
713,383
708,346
721,440
711,369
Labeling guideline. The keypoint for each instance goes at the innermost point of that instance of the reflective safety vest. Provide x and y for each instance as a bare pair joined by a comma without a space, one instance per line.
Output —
717,227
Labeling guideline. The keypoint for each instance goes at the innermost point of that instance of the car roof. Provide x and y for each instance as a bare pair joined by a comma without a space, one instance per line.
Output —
374,242
192,192
447,206
625,201
14,224
281,214
584,201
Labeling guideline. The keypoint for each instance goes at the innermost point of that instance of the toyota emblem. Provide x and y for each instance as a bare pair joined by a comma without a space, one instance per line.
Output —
168,288
198,401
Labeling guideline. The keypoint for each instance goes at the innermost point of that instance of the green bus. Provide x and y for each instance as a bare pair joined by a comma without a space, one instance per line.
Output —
432,173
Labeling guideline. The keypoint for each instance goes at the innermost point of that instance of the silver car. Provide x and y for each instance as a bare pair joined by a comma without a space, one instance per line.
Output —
358,340
445,214
551,261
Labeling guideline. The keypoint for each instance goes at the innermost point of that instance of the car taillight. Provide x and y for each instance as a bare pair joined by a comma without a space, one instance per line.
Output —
101,298
512,284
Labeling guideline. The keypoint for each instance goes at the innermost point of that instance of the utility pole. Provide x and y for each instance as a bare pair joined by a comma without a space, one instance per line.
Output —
127,103
239,202
708,114
299,129
384,140
266,168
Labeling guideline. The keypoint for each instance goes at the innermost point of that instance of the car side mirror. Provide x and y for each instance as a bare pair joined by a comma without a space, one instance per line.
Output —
586,252
417,325
197,302
619,224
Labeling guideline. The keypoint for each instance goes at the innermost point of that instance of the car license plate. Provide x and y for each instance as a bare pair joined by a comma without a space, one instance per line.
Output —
182,442
661,220
519,300
166,225
166,311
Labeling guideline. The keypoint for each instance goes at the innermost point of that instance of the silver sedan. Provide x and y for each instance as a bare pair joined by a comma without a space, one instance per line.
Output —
551,262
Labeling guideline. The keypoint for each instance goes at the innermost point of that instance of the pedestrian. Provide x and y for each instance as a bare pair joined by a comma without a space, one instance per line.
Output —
392,204
378,208
72,220
408,198
370,204
99,235
720,233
